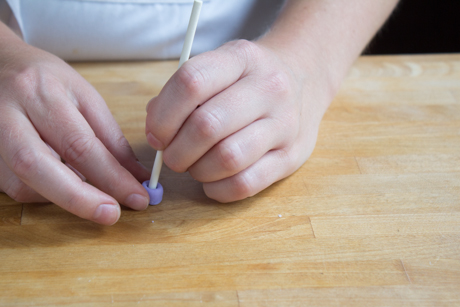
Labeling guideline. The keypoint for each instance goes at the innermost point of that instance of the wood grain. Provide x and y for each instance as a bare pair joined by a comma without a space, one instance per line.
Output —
371,219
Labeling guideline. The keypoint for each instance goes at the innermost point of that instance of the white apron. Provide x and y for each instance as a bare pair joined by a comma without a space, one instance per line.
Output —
78,30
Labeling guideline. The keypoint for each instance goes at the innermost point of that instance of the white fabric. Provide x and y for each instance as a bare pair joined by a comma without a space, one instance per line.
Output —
136,29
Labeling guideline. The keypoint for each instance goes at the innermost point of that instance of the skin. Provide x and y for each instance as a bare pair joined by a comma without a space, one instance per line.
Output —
247,114
238,118
48,112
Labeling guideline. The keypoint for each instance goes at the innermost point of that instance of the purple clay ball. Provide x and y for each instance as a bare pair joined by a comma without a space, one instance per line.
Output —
156,195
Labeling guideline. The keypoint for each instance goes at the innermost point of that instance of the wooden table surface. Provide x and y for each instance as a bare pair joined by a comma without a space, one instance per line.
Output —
371,219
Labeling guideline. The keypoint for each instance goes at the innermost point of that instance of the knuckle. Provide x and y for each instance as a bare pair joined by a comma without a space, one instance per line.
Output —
230,156
24,162
191,79
206,125
246,53
277,83
77,148
34,82
247,49
26,82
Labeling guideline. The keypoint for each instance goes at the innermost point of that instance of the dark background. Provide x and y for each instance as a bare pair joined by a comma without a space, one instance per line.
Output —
420,26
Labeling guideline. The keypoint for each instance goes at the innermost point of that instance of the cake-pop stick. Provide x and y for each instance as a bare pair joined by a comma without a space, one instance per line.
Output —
152,186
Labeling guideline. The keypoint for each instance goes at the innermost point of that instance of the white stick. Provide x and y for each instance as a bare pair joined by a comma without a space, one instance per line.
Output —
186,49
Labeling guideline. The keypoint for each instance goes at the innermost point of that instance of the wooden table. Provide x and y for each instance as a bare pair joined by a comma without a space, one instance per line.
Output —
372,218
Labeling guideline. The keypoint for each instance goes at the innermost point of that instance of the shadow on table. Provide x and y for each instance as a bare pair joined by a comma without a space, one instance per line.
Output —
185,214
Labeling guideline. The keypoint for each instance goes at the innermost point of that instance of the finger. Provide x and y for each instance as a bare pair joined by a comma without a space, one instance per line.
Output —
30,159
273,166
80,175
239,151
56,155
198,80
95,110
221,116
71,136
15,188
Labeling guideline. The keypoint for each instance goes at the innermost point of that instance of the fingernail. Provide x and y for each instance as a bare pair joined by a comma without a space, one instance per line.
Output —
137,202
154,142
107,214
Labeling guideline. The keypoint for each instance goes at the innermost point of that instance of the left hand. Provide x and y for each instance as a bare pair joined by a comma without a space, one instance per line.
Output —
238,118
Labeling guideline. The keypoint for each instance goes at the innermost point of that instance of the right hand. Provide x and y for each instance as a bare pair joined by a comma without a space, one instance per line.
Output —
48,111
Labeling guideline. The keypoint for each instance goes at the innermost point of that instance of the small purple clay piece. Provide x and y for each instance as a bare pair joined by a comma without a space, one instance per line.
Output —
156,195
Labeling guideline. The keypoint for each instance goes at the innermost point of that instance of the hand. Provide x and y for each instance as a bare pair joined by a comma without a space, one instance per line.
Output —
48,111
238,118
